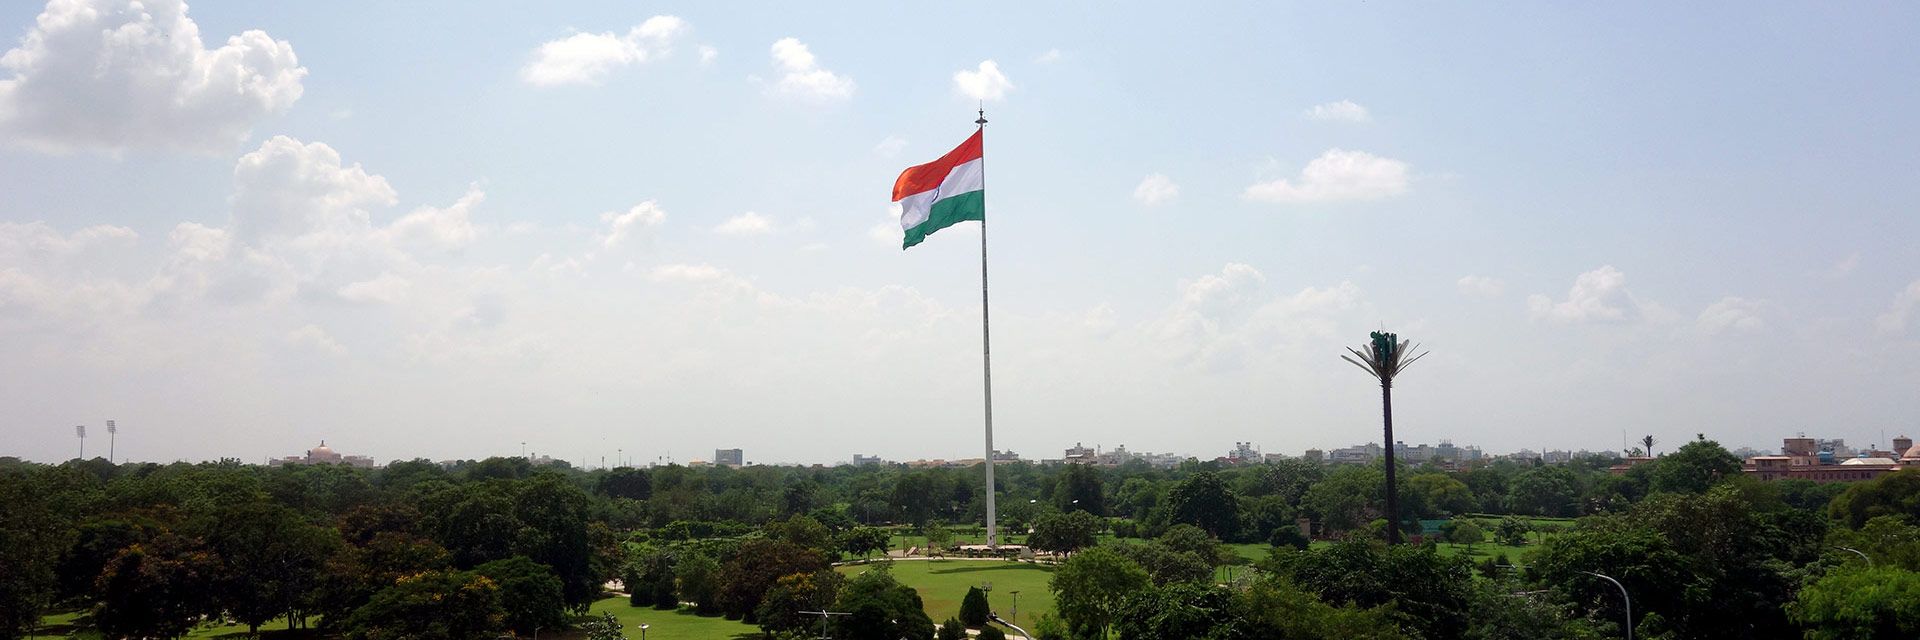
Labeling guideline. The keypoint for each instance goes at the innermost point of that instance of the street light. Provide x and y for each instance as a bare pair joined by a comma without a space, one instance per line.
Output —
1016,605
996,618
1628,600
1857,552
643,630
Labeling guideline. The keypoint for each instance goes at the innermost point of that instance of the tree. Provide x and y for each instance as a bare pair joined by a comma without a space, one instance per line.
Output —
625,482
1165,565
1876,602
753,570
861,541
1385,356
1441,493
1694,467
992,633
351,577
654,580
952,629
1889,540
1511,531
1893,494
698,578
1468,534
974,608
605,627
32,537
529,593
1193,540
1203,500
1545,491
1646,445
804,531
880,608
1179,611
1344,500
1428,592
271,560
937,535
1065,532
1275,609
1090,587
552,514
780,610
156,589
431,606
1081,489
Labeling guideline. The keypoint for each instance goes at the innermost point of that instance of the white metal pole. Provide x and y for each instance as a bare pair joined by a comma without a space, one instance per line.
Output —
986,342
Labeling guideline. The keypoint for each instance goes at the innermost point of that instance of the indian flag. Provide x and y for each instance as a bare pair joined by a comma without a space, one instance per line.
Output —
935,195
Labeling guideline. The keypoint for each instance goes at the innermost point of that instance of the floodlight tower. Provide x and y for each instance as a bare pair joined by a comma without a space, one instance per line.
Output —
113,432
1384,358
80,431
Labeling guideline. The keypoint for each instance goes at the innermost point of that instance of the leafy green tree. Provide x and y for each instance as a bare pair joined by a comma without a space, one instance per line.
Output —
754,569
1194,540
1089,589
529,593
880,608
804,531
1504,609
1348,497
431,606
1440,493
654,580
351,577
992,633
1872,603
937,535
1694,467
952,629
552,513
32,536
1165,565
625,482
780,610
862,541
1260,515
1468,534
1888,540
1178,611
974,608
1081,489
1512,531
1137,497
156,589
272,559
698,578
1428,592
1065,532
1546,491
1275,609
1203,500
1893,494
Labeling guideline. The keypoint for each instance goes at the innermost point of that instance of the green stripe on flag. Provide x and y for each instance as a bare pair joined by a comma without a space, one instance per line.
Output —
971,205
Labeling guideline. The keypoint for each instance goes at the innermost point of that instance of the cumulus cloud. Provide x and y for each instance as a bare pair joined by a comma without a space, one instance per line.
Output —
802,76
1898,314
1342,111
1597,296
111,75
32,240
1223,320
1336,176
445,228
1481,286
1050,56
1155,189
289,188
1731,314
622,226
983,83
386,288
1844,266
708,54
746,224
588,58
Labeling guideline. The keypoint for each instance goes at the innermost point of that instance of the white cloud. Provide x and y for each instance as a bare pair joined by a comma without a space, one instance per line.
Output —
445,228
890,147
1896,318
1155,189
708,54
385,289
289,188
1481,286
1336,176
888,233
1342,111
1597,296
1049,57
35,239
1731,314
587,58
622,226
745,224
313,337
802,76
985,83
110,75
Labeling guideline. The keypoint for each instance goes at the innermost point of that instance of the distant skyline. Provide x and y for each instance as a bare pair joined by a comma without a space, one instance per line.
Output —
441,229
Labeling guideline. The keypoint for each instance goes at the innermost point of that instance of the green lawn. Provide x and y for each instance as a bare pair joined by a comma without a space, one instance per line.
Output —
942,583
673,625
76,625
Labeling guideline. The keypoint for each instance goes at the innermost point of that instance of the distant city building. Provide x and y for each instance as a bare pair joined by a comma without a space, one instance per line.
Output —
867,461
729,457
323,455
1243,452
1313,455
1080,454
1832,460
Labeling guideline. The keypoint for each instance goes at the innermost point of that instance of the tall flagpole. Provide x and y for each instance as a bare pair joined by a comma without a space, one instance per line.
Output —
986,343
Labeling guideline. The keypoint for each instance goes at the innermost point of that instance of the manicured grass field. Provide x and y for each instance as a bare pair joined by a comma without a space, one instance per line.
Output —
673,625
75,625
942,583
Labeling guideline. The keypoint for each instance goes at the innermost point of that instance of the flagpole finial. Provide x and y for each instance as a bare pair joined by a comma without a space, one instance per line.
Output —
983,114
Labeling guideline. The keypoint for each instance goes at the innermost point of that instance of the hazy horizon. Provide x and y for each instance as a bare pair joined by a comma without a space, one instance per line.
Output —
242,229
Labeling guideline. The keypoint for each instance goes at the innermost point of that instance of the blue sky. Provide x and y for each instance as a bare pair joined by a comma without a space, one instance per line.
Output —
443,229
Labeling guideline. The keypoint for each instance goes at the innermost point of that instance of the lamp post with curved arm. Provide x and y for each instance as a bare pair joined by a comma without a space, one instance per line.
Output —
996,618
1628,600
1857,552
